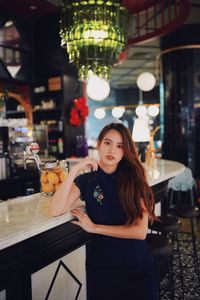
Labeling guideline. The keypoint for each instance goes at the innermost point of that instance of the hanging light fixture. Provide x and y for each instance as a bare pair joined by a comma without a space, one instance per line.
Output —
141,111
153,110
94,34
146,81
117,112
99,113
98,88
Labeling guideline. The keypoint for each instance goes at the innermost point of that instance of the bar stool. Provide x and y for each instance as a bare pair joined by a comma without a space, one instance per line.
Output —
162,251
186,211
166,224
170,226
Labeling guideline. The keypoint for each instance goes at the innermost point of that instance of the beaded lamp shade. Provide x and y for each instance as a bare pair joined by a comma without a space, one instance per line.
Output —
94,33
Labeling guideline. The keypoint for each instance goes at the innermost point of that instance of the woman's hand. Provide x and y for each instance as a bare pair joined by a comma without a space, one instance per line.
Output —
86,163
83,220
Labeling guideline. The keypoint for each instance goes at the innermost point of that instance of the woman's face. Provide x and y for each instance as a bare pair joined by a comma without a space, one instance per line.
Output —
111,149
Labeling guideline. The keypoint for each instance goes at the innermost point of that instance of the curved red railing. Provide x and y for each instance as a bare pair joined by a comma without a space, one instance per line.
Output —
155,18
135,6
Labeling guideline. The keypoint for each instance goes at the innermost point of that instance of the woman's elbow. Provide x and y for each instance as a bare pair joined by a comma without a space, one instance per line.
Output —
142,235
53,212
54,207
140,231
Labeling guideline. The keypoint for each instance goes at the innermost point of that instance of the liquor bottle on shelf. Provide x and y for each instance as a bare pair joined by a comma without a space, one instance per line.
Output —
60,146
53,146
81,146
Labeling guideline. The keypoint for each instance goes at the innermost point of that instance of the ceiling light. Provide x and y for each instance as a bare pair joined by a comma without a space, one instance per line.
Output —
141,111
8,23
146,81
94,33
117,112
97,88
99,113
153,110
32,7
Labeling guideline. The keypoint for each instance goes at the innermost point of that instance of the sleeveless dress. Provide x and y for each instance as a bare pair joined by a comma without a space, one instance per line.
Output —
117,268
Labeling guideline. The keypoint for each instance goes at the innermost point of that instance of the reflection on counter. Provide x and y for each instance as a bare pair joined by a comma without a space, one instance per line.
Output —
154,174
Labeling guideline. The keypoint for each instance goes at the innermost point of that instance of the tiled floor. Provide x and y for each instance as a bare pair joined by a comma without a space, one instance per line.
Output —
190,278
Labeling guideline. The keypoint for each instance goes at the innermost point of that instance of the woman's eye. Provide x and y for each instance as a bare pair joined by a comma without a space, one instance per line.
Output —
106,143
120,146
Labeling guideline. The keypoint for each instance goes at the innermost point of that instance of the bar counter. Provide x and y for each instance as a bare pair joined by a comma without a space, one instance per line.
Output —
24,217
30,238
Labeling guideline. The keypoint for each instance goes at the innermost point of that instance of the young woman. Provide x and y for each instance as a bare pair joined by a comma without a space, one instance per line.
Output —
119,205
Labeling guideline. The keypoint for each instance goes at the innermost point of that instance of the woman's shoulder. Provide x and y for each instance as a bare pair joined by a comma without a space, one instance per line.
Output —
85,181
85,177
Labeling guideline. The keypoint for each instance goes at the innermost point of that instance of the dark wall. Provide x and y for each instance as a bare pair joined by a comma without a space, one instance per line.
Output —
49,56
181,69
131,96
44,57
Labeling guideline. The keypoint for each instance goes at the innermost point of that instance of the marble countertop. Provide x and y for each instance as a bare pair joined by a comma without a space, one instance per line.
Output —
161,170
24,217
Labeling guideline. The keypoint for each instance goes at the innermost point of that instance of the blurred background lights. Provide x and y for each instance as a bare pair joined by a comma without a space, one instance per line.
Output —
141,111
146,81
97,88
99,113
153,110
117,112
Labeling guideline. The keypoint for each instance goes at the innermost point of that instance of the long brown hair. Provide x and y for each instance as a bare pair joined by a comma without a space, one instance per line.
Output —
132,181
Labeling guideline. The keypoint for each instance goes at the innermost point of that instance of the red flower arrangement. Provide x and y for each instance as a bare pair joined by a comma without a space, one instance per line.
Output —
79,112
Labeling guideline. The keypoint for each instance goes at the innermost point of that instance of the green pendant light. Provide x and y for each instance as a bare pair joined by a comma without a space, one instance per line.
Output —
94,33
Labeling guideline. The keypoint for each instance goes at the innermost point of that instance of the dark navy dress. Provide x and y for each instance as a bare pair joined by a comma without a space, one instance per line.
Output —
117,269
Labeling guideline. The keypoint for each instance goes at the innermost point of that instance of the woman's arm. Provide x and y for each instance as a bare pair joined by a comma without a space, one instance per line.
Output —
68,193
137,230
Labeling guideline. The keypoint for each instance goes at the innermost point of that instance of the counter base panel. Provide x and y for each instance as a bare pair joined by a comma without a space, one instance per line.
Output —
18,262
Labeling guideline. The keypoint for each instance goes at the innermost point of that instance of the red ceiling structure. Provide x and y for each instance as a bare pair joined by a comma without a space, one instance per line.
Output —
155,18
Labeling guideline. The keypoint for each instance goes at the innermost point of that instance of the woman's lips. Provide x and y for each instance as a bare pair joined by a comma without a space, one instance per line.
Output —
110,157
